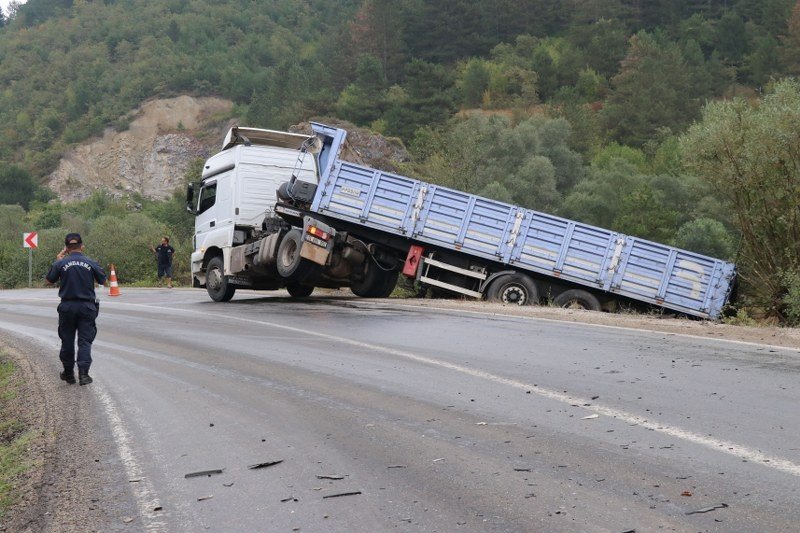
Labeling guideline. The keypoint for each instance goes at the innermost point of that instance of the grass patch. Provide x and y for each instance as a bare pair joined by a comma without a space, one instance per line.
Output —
14,440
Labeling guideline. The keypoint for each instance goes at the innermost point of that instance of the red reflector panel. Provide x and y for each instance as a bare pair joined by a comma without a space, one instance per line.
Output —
316,232
412,261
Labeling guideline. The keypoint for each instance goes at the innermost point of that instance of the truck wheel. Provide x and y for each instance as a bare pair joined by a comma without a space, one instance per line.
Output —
299,291
217,282
577,299
377,283
289,263
515,289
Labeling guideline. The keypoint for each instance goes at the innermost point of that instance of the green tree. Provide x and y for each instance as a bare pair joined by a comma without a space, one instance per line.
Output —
377,30
706,236
16,186
474,82
652,90
789,50
363,100
749,153
731,37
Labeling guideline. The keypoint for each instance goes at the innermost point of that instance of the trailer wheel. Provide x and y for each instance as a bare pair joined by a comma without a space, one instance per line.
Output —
578,299
299,291
290,265
515,289
217,282
377,283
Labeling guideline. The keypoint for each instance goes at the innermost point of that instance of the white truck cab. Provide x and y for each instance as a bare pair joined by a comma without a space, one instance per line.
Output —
238,191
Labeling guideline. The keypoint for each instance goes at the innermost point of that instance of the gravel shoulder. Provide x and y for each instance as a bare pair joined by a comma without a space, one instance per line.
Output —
766,335
76,483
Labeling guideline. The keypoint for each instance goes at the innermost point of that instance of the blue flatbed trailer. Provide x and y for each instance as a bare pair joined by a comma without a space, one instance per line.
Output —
469,244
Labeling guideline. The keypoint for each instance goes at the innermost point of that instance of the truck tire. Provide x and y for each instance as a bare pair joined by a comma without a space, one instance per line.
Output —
377,283
217,282
290,265
514,289
299,291
577,299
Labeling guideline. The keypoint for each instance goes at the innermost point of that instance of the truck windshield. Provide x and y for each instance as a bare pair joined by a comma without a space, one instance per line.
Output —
208,195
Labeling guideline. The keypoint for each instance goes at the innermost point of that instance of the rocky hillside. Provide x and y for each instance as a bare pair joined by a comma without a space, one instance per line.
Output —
152,156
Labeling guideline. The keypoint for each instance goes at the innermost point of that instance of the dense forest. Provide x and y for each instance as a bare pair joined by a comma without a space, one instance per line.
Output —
673,120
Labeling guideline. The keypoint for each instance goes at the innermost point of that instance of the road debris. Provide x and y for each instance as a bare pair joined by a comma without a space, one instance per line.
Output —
686,493
158,508
397,466
127,519
354,493
439,459
329,476
228,484
203,498
590,417
522,469
708,509
289,499
201,473
265,465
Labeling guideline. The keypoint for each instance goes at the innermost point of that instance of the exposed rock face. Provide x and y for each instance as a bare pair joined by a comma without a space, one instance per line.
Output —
150,158
365,147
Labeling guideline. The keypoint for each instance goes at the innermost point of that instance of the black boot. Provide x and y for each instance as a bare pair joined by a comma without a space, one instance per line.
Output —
68,376
83,377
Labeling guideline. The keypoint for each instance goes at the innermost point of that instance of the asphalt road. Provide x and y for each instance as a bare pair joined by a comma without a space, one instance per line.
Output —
384,416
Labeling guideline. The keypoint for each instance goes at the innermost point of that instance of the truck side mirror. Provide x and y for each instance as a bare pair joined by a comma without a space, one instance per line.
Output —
190,198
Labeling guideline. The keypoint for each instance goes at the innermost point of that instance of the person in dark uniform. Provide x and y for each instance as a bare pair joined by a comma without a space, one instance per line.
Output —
78,309
164,256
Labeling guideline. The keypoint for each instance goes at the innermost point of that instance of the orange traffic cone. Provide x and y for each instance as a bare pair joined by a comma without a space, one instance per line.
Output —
113,289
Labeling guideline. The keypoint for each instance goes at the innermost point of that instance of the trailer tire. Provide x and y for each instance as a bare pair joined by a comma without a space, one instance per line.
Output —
217,283
296,290
377,283
515,289
290,265
578,299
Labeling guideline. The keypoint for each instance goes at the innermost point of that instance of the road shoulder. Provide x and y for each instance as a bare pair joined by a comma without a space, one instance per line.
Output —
76,480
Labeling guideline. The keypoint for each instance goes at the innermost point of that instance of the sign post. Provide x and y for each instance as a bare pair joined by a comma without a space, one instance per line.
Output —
30,241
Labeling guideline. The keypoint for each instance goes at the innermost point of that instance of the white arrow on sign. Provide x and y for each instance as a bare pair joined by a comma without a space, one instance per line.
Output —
30,240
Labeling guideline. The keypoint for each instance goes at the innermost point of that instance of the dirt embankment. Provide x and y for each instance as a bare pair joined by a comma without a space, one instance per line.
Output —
151,157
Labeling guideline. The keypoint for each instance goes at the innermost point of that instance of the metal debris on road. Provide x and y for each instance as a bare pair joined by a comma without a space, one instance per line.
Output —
397,466
708,509
289,499
265,465
228,484
590,417
203,498
354,493
204,473
522,470
329,476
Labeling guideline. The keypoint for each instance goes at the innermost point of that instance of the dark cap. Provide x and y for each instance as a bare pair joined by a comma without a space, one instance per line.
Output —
73,238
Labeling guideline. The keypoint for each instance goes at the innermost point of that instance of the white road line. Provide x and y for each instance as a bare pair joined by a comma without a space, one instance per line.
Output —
143,490
719,445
